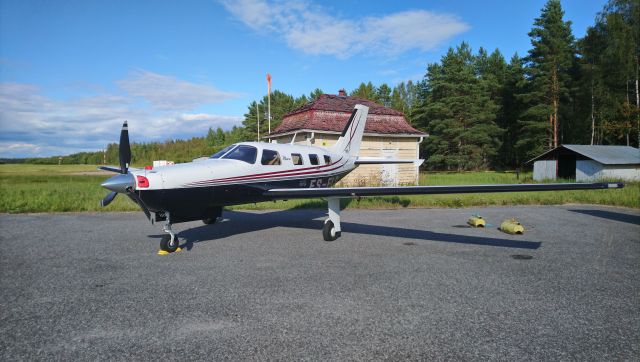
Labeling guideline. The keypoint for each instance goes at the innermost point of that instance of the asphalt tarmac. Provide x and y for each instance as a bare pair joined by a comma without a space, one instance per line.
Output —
411,284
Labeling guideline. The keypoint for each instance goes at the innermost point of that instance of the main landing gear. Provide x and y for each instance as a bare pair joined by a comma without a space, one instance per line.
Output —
170,242
331,229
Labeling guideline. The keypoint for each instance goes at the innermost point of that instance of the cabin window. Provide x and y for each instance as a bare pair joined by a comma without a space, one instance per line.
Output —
244,153
296,158
327,160
222,152
270,157
313,159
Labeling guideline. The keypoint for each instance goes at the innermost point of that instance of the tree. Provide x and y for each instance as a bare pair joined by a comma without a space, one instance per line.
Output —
315,94
383,95
281,104
610,60
366,91
459,115
548,72
511,110
404,98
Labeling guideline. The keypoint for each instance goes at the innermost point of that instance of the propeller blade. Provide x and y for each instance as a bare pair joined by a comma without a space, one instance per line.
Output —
107,199
135,198
124,148
109,168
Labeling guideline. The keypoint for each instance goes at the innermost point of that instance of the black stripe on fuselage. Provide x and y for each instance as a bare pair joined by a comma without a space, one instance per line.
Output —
194,203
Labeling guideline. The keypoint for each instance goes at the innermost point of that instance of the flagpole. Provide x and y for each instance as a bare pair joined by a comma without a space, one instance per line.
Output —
269,100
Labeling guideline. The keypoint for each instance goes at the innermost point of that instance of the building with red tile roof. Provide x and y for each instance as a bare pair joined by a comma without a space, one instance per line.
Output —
387,134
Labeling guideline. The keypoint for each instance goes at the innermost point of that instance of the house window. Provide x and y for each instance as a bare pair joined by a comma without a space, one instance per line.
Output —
313,159
296,158
270,157
327,160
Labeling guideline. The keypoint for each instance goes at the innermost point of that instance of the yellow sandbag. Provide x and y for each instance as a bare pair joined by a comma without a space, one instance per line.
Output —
476,221
512,226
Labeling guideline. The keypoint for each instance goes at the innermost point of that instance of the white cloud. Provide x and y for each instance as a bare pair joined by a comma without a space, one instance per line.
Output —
311,29
33,124
166,92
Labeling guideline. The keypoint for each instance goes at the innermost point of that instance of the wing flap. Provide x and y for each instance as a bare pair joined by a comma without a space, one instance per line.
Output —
346,192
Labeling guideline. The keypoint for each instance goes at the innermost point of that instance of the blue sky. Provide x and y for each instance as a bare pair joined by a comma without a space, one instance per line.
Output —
71,71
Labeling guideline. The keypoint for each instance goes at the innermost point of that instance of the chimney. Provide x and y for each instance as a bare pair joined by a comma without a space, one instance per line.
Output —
342,93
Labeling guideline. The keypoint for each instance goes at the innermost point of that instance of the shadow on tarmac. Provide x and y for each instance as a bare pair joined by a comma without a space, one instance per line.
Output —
238,222
611,215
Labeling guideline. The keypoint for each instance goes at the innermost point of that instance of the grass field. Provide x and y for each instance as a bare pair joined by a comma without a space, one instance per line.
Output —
45,188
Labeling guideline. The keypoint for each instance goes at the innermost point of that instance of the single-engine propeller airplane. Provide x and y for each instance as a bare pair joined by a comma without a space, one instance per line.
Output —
250,172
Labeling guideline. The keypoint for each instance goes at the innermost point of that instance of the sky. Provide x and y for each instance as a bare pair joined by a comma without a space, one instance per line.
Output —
72,71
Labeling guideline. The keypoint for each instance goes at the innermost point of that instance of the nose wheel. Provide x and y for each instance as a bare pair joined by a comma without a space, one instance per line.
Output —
169,242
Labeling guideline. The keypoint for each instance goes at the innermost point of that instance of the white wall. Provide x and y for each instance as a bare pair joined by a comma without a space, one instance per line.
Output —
544,170
589,170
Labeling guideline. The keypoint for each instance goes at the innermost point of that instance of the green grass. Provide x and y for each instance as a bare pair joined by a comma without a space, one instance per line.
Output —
42,188
26,169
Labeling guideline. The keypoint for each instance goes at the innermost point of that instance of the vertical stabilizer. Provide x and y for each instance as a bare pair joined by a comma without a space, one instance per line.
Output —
351,137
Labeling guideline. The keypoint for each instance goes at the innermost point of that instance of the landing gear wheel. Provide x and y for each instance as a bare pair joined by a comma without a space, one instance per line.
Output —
168,245
209,220
329,232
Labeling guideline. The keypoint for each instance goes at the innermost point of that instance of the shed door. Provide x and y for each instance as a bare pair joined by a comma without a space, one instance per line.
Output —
389,172
567,167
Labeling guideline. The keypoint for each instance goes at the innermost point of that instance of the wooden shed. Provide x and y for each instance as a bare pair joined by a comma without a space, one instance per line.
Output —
387,134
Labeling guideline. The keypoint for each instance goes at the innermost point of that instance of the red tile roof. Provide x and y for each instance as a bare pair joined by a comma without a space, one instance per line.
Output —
331,112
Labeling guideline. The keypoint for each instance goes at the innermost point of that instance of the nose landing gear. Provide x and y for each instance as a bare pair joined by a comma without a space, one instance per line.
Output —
170,242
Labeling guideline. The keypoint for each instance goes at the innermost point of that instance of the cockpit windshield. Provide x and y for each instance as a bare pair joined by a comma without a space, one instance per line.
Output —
222,152
243,153
238,152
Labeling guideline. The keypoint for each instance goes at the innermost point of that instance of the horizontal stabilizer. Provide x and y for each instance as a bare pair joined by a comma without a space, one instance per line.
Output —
346,192
385,161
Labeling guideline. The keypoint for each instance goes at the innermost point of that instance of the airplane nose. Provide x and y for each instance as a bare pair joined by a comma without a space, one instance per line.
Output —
119,183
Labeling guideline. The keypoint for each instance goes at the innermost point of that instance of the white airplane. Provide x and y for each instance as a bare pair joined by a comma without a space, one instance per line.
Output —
250,172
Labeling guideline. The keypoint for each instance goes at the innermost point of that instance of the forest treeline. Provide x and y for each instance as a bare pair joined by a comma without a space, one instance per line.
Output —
481,110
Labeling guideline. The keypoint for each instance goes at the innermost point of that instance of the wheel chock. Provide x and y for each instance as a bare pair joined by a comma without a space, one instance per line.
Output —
164,252
512,226
476,221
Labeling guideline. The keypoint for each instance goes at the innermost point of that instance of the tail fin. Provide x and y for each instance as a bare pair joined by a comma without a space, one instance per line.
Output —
351,137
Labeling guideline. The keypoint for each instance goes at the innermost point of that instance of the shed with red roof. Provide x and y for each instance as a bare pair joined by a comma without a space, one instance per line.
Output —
387,134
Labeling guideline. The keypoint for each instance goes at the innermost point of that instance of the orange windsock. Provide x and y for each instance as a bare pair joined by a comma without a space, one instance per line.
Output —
269,82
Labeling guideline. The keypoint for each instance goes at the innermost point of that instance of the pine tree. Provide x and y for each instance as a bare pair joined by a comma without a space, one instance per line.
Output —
281,104
365,91
383,95
459,114
511,109
548,70
610,60
315,94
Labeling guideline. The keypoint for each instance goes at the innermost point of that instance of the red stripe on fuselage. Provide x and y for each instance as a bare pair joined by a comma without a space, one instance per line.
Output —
285,173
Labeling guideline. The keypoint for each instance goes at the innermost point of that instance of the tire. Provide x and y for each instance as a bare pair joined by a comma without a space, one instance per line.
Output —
209,220
329,232
165,243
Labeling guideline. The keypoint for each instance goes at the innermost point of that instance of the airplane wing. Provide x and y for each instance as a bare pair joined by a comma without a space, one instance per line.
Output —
346,192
